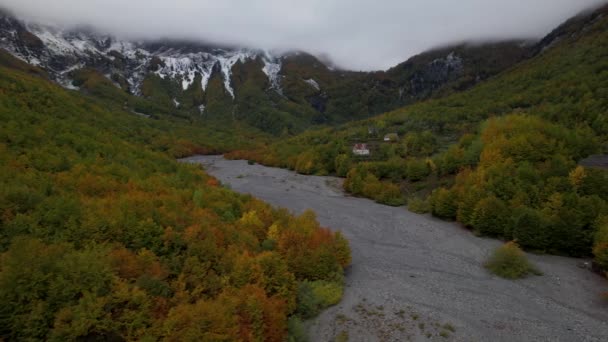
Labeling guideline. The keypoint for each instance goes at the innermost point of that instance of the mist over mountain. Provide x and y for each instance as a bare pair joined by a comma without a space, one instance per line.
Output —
275,91
356,35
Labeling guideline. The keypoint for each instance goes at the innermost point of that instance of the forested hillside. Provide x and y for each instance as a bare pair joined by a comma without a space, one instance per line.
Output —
500,158
104,236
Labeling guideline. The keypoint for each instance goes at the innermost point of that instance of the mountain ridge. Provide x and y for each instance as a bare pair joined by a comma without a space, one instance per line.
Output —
297,92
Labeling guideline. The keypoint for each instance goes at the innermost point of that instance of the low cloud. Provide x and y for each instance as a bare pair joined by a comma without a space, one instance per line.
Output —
355,34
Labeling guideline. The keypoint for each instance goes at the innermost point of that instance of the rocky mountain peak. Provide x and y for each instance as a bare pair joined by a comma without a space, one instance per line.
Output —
61,51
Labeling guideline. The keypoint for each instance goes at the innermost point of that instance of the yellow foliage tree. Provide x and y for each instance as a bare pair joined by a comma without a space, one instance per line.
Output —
577,176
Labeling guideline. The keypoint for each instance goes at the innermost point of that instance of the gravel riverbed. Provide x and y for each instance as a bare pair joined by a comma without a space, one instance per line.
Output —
417,278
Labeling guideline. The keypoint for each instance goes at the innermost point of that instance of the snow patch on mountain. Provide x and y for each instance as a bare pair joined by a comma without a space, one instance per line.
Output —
313,84
228,61
55,43
451,60
272,68
64,51
180,67
187,66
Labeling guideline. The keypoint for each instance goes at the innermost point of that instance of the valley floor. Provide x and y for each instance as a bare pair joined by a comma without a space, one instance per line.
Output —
416,278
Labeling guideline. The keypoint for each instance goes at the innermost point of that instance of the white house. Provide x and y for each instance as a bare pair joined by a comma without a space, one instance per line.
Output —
391,137
361,150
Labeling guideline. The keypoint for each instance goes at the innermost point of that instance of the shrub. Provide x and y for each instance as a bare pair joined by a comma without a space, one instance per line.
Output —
490,217
510,262
342,164
419,205
417,169
467,204
530,229
308,304
328,293
443,203
390,194
296,330
314,296
354,182
600,248
342,336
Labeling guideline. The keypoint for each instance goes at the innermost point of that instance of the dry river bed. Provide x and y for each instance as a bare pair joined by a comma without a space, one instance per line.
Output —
417,278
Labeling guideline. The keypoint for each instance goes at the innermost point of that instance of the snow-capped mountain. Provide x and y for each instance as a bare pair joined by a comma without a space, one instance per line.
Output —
61,51
274,92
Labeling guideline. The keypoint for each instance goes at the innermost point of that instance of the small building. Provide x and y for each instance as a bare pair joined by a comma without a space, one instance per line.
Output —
361,150
391,137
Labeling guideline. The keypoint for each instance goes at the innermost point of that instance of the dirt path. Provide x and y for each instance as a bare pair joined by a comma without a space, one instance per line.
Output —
416,278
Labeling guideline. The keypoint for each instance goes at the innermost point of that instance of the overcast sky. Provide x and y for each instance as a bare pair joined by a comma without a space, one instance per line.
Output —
355,34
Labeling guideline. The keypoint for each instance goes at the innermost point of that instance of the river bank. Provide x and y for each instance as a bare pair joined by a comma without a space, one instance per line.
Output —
418,278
